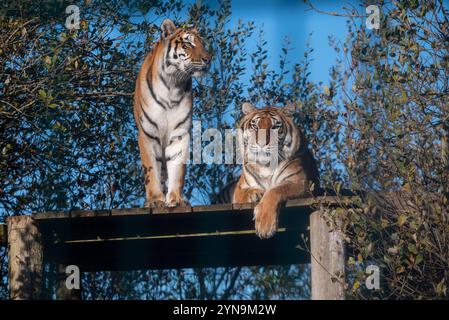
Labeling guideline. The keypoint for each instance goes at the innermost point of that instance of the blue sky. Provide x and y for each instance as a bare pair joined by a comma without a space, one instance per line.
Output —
292,19
296,21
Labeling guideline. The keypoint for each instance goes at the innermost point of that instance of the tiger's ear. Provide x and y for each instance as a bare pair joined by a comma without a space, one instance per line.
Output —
167,28
291,108
247,107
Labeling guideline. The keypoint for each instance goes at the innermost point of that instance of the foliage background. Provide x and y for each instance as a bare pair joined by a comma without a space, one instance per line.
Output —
393,86
68,138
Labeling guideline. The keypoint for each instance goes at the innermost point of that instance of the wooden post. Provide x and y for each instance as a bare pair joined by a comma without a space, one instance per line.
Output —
327,260
25,258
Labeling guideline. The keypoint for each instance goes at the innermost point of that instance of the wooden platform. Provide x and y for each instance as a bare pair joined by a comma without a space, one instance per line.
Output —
182,237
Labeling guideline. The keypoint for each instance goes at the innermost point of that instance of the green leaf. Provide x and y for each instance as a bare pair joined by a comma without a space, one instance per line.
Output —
47,60
42,94
402,219
419,259
412,248
404,97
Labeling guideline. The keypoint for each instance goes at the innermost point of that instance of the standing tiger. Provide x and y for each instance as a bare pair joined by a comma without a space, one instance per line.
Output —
263,135
163,111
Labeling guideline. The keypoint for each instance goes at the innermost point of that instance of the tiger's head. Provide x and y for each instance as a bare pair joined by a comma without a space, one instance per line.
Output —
268,135
185,51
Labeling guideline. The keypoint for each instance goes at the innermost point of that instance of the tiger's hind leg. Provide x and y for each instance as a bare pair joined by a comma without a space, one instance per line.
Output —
154,197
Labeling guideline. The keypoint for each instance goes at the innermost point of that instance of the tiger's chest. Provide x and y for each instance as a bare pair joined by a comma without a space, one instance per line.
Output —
170,118
166,109
265,177
260,177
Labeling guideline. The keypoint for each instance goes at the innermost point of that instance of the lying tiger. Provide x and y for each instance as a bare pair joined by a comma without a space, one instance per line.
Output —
163,111
294,174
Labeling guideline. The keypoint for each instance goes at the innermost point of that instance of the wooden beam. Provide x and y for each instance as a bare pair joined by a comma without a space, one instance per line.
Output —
25,257
327,259
302,202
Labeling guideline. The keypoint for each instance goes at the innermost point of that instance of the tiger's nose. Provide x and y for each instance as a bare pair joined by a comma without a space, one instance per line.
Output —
263,137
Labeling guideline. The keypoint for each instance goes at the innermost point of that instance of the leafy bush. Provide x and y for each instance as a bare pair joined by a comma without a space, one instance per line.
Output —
392,88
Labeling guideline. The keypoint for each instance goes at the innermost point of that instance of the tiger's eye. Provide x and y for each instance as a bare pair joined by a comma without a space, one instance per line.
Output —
277,124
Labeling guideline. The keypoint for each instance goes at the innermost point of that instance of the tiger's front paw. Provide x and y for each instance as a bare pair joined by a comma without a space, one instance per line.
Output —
174,200
266,219
155,202
250,195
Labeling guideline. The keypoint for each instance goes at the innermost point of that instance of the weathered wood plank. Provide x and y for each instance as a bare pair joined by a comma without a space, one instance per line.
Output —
213,208
321,200
302,202
52,215
130,212
25,257
89,213
327,260
165,210
243,206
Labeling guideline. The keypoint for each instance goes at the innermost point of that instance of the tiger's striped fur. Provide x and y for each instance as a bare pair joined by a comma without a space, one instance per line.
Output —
163,111
295,174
